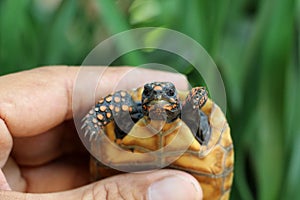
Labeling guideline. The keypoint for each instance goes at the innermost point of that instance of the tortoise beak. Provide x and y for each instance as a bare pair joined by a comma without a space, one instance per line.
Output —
156,109
161,110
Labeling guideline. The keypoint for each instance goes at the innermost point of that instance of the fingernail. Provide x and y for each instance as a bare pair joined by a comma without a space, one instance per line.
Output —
174,187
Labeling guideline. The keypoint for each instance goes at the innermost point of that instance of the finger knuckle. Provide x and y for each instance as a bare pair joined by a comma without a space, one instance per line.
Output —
107,191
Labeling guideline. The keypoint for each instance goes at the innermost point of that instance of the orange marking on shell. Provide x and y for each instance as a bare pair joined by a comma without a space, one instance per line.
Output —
94,120
100,116
102,108
108,115
130,109
117,99
124,107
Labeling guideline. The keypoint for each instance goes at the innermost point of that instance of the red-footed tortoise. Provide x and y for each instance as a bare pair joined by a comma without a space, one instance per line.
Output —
156,126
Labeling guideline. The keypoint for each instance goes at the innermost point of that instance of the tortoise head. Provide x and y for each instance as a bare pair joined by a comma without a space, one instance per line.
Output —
160,101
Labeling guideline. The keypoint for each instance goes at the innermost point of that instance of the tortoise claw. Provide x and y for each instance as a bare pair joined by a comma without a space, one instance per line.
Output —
92,135
84,125
86,133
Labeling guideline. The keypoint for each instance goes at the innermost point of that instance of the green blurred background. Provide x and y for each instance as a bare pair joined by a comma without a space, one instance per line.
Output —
255,44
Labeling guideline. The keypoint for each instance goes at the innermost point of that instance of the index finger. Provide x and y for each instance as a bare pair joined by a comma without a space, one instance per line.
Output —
35,101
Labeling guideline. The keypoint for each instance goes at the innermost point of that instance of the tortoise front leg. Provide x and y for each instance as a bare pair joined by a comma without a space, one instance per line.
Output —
118,107
116,112
192,115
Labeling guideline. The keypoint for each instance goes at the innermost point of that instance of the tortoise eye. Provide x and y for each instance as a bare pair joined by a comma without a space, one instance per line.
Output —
170,92
147,90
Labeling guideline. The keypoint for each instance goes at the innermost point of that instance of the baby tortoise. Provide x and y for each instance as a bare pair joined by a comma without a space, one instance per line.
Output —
156,126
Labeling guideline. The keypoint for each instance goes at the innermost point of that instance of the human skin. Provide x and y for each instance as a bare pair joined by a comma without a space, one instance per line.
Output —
41,155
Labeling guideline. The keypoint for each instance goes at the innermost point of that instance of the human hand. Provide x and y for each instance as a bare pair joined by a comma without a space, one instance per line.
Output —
41,155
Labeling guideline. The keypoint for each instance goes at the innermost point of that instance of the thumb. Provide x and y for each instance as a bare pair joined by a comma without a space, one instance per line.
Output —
155,185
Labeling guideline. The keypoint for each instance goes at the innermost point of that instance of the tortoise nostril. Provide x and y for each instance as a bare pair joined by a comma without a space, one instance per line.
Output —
157,94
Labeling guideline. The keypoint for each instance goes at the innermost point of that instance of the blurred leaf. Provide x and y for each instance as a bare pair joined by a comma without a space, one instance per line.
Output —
15,36
230,52
293,170
292,174
292,143
116,23
275,54
143,11
194,21
56,42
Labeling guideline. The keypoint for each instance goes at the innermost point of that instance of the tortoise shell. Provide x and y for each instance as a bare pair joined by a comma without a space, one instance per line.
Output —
156,126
